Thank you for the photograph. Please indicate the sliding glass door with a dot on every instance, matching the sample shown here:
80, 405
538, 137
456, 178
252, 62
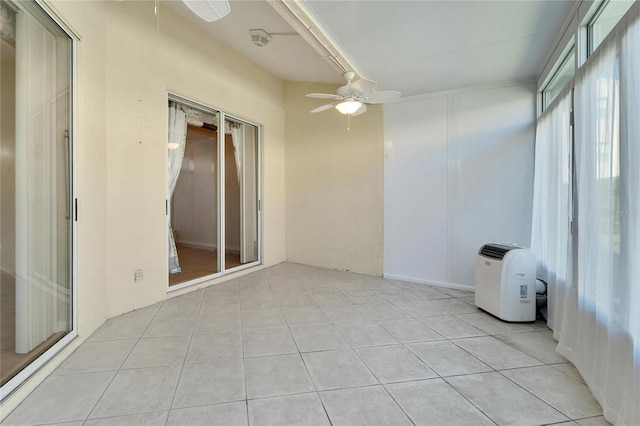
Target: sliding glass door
36, 199
241, 194
212, 192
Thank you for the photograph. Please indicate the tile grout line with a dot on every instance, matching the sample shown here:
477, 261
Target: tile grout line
498, 371
317, 393
535, 396
184, 359
244, 366
380, 383
122, 363
468, 399
354, 350
443, 378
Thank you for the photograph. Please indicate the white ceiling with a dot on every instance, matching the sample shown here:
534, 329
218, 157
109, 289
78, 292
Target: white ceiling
287, 57
415, 47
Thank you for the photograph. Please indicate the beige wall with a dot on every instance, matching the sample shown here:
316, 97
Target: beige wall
141, 66
90, 163
125, 67
334, 181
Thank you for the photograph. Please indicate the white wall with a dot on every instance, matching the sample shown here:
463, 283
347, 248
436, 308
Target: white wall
458, 173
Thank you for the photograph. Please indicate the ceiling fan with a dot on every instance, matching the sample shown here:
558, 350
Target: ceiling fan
209, 10
351, 99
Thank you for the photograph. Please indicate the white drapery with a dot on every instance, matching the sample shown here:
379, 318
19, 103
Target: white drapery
600, 332
244, 140
237, 139
550, 236
42, 288
175, 150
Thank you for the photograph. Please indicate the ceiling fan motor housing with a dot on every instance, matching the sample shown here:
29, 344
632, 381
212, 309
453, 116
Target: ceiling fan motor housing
349, 75
343, 90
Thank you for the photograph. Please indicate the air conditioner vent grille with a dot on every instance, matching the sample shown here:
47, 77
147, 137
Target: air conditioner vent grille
495, 251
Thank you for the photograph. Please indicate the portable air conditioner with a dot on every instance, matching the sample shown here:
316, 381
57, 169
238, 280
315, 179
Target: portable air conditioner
506, 282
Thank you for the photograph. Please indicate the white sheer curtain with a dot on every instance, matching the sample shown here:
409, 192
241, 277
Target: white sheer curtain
237, 138
600, 332
550, 236
175, 143
42, 296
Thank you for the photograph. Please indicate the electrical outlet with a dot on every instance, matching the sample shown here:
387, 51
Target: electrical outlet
138, 275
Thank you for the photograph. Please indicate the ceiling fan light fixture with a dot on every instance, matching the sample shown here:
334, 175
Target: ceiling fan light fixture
353, 98
209, 10
348, 106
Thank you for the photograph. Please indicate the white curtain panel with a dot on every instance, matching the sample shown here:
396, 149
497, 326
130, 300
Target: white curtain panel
550, 236
237, 138
37, 287
600, 332
176, 142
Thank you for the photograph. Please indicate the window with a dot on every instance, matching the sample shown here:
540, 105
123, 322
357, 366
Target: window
37, 190
213, 192
606, 17
564, 73
603, 141
597, 305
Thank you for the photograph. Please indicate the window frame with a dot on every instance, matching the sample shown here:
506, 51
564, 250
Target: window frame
589, 26
597, 14
570, 54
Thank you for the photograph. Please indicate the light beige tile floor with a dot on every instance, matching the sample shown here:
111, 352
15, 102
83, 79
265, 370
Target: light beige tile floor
298, 345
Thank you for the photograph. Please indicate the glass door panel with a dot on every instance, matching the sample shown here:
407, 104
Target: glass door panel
193, 214
35, 173
241, 194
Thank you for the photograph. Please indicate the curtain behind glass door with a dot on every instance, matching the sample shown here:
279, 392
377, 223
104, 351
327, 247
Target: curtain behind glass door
36, 186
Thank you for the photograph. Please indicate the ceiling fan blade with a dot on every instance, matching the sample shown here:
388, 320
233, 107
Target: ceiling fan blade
323, 96
324, 107
381, 97
360, 110
363, 86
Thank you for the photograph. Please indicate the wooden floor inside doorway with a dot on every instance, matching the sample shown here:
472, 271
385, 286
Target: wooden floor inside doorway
196, 262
